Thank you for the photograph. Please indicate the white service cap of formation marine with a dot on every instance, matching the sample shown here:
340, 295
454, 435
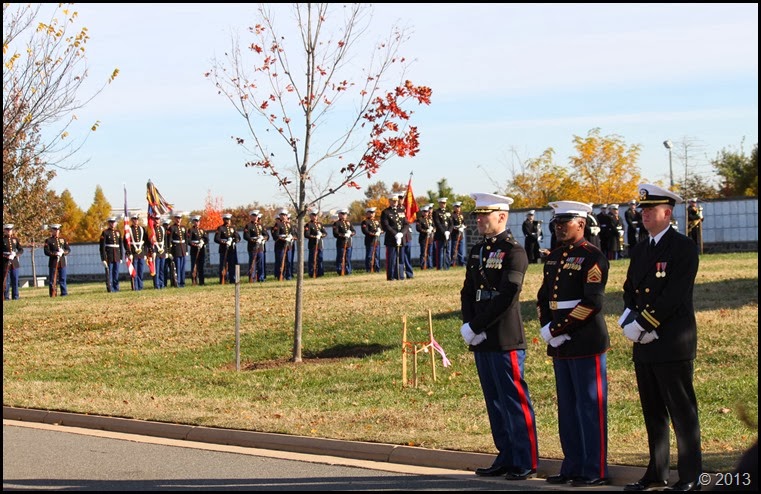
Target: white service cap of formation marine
570, 209
227, 216
486, 203
652, 195
8, 226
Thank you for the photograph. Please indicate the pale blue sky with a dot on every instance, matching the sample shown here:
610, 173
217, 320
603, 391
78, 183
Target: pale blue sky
508, 81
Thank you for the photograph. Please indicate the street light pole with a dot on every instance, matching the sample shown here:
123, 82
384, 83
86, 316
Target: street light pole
667, 144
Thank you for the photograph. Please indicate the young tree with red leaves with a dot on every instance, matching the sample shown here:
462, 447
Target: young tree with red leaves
285, 104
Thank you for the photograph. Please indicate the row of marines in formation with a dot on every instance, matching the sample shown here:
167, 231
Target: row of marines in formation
441, 234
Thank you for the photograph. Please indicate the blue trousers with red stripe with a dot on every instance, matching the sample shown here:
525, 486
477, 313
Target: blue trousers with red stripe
508, 404
582, 388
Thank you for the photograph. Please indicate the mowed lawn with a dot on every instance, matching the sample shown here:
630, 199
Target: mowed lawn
170, 356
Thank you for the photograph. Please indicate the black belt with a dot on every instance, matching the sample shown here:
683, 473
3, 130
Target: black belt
485, 294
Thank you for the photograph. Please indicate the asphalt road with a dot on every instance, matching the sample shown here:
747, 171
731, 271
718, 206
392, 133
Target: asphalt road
52, 457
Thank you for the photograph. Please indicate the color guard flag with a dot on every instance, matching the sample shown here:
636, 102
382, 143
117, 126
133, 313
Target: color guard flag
156, 204
410, 204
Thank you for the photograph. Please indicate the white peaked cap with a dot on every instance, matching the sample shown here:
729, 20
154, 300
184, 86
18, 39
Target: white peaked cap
652, 195
486, 203
570, 209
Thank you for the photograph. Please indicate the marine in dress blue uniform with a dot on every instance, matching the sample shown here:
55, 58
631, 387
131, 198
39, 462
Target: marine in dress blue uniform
177, 239
198, 239
392, 223
425, 229
256, 236
493, 329
457, 239
406, 240
343, 232
136, 251
371, 229
111, 252
314, 232
281, 233
569, 304
442, 222
659, 318
159, 252
11, 251
57, 249
228, 239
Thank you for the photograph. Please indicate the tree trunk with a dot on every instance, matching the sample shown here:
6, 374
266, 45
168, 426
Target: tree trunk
297, 325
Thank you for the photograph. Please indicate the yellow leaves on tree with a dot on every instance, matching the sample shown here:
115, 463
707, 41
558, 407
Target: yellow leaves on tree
606, 168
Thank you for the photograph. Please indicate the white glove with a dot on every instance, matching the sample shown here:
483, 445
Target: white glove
399, 237
347, 234
169, 256
105, 263
229, 241
318, 236
260, 239
446, 235
478, 339
130, 257
467, 333
60, 253
289, 238
648, 337
594, 230
200, 244
545, 332
632, 331
461, 228
12, 256
559, 340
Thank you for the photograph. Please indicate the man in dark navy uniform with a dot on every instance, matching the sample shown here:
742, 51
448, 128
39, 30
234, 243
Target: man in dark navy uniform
659, 318
136, 249
11, 251
493, 329
569, 304
343, 231
255, 236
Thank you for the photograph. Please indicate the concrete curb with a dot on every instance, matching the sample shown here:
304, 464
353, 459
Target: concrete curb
390, 453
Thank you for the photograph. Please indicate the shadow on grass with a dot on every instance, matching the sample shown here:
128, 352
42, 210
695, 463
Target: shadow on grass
338, 352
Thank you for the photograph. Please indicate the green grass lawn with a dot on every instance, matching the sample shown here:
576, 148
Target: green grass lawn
169, 356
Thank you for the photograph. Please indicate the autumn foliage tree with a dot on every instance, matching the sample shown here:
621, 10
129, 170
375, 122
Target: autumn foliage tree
286, 93
606, 168
540, 181
94, 220
211, 217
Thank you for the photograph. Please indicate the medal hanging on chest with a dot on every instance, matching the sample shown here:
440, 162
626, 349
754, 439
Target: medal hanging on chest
660, 269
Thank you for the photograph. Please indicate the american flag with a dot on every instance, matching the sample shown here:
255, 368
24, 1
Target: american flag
128, 236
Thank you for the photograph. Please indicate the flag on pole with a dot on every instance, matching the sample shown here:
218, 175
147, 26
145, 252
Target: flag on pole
410, 204
156, 204
128, 236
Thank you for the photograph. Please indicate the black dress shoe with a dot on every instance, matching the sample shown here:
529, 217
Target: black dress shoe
558, 479
590, 482
520, 474
645, 485
492, 471
684, 486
